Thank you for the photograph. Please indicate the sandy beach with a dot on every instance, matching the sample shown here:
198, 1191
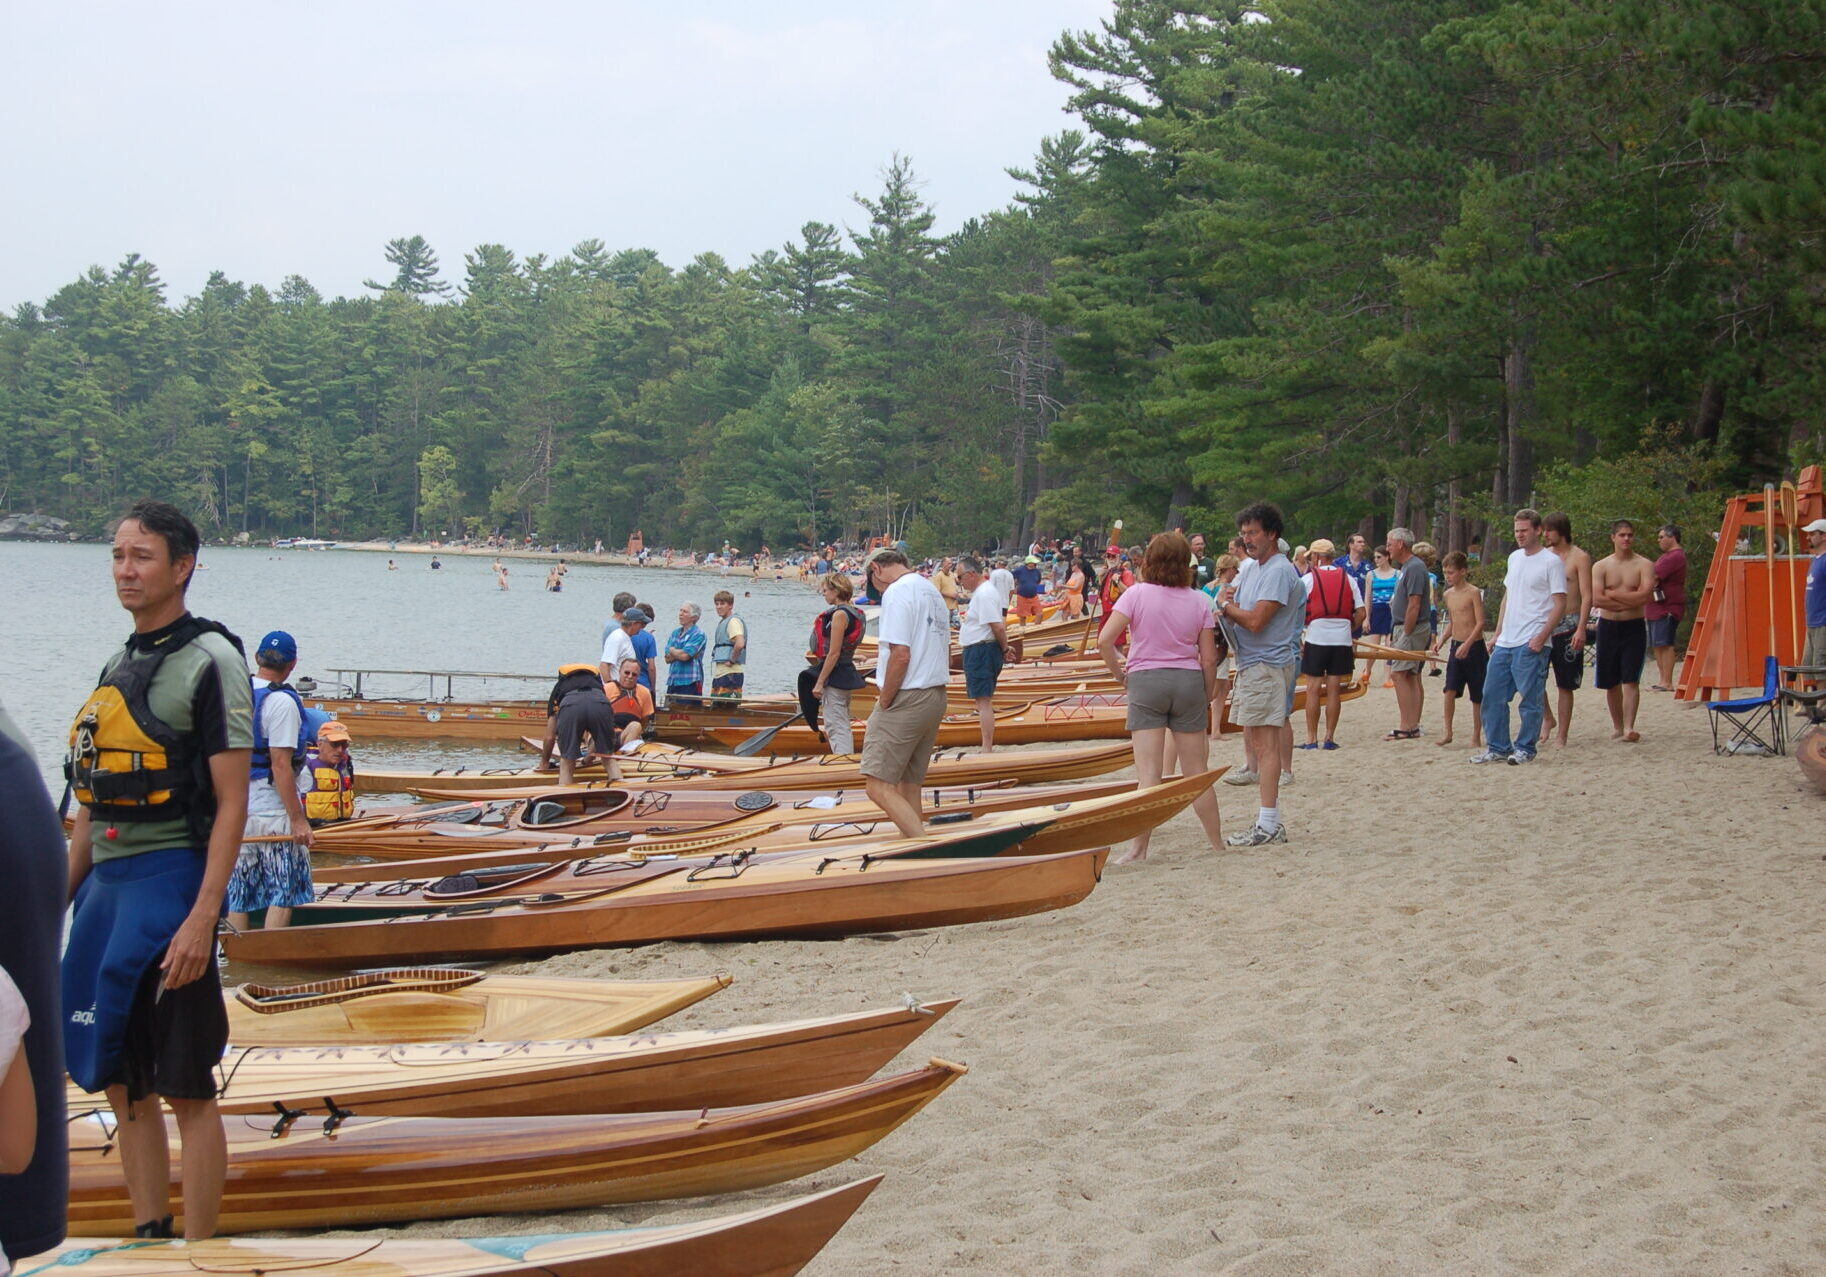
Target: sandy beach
1559, 1019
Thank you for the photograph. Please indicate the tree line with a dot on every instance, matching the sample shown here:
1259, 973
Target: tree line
1384, 264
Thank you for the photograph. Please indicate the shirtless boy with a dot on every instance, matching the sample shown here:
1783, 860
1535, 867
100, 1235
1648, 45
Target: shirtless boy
1470, 656
1566, 657
1621, 586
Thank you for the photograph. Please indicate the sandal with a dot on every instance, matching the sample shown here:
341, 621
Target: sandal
1309, 745
1398, 734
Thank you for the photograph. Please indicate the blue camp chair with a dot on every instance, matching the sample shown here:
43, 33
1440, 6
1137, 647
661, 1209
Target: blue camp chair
1756, 721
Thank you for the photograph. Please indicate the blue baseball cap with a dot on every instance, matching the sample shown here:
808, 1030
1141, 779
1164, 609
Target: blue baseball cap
282, 643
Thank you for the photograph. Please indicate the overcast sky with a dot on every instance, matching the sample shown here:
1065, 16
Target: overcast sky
269, 139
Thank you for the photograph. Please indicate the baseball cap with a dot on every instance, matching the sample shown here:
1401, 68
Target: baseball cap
636, 616
1033, 558
282, 643
1818, 525
333, 730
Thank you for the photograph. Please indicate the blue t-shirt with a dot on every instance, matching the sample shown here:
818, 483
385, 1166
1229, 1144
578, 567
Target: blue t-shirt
1816, 592
1278, 642
646, 647
1027, 581
1359, 572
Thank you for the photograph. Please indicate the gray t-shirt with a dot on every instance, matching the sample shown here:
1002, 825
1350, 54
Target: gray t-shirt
1411, 583
1278, 642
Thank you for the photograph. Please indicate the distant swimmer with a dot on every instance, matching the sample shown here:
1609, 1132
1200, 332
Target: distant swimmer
500, 574
392, 566
435, 565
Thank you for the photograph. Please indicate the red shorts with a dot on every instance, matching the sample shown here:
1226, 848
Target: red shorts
1027, 607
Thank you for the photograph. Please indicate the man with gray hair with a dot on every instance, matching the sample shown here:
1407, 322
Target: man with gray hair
685, 656
1411, 609
913, 669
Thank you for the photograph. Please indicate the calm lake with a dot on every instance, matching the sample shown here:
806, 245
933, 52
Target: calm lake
347, 611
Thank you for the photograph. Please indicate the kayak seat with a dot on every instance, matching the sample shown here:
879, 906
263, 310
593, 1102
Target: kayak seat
545, 812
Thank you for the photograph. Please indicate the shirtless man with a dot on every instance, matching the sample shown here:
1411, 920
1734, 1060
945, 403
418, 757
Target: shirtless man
1567, 655
1622, 585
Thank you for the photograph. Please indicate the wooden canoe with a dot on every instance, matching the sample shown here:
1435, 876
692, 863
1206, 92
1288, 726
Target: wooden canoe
811, 818
774, 1241
1031, 723
762, 898
1060, 823
377, 1170
639, 1072
445, 1005
1810, 753
824, 772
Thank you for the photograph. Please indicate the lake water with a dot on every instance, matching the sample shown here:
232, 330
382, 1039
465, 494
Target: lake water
61, 621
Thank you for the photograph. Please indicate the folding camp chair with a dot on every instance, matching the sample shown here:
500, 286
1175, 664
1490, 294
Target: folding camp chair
1756, 721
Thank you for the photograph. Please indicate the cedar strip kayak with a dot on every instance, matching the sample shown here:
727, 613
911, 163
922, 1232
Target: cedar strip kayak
771, 1242
377, 1170
509, 720
640, 1072
752, 899
639, 809
824, 816
827, 771
452, 1006
1032, 723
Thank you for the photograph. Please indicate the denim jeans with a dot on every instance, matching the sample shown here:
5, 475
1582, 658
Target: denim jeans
1512, 670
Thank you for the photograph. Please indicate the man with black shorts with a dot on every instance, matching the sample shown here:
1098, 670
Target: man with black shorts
1621, 587
914, 667
1334, 609
1566, 649
577, 707
159, 760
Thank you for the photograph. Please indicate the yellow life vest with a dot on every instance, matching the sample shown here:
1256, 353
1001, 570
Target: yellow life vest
332, 794
127, 764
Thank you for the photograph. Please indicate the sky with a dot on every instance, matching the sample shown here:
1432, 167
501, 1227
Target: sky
267, 139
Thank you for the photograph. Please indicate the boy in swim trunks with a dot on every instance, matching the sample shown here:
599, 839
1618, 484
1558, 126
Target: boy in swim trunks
1466, 662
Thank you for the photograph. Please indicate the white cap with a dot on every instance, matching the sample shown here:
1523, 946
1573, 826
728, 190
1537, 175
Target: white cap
1818, 525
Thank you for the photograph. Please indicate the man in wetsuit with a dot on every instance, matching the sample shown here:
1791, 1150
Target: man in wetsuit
150, 857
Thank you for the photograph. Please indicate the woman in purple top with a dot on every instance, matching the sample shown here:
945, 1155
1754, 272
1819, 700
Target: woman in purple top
1170, 671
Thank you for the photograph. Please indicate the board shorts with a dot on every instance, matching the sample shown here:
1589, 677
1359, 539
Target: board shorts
174, 1040
270, 875
1661, 631
1567, 665
1413, 641
1622, 650
1027, 608
1465, 673
1262, 694
1318, 660
728, 686
982, 667
897, 744
1169, 698
585, 714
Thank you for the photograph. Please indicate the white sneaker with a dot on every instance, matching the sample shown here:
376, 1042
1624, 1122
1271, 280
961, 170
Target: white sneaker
1256, 836
1286, 779
1519, 759
1489, 756
1240, 777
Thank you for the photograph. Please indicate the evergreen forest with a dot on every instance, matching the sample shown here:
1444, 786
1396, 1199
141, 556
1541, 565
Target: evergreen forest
1383, 263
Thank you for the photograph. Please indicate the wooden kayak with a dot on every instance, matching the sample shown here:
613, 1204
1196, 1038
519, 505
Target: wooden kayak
1057, 823
1034, 722
548, 814
507, 720
770, 1242
634, 1073
807, 819
377, 1170
446, 1005
753, 899
1810, 753
828, 771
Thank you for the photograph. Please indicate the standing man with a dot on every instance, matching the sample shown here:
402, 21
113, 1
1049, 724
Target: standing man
1411, 607
274, 875
1204, 567
1623, 584
915, 665
1334, 608
728, 651
621, 646
1566, 650
685, 656
946, 583
1668, 604
1003, 580
1027, 589
984, 638
1264, 608
1815, 651
1534, 600
159, 760
1357, 563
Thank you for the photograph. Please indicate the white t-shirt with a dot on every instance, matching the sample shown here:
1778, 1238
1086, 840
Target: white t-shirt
913, 616
985, 609
1529, 587
282, 722
618, 647
1330, 631
1003, 580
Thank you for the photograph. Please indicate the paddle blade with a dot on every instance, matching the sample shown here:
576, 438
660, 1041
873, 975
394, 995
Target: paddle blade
755, 744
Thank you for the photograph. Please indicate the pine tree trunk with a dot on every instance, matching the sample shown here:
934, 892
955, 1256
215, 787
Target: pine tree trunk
1455, 538
1521, 410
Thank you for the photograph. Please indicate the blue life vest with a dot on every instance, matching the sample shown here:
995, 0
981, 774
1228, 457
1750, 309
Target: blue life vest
263, 756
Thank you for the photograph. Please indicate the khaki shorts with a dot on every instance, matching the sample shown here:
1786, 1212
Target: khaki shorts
1261, 694
1418, 641
1816, 646
897, 747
